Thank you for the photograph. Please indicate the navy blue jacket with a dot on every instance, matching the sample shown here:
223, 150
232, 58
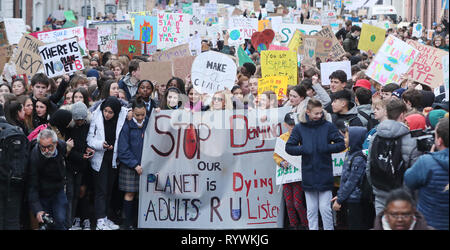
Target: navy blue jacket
131, 142
429, 175
352, 175
315, 139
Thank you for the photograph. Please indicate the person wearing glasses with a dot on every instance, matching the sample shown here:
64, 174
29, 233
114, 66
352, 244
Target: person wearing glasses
400, 213
47, 179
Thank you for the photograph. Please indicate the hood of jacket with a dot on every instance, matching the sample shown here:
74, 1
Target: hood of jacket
366, 108
303, 117
392, 129
357, 135
442, 158
127, 80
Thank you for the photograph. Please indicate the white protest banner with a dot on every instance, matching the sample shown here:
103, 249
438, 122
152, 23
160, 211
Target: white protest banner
417, 30
63, 34
107, 40
427, 68
212, 72
196, 26
326, 69
241, 28
15, 29
288, 29
61, 57
173, 30
393, 59
218, 177
27, 59
445, 65
327, 17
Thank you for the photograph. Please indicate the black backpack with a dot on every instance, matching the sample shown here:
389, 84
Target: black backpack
386, 163
364, 185
14, 153
371, 121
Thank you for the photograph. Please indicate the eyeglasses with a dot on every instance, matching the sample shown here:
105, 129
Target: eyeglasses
401, 216
217, 99
49, 147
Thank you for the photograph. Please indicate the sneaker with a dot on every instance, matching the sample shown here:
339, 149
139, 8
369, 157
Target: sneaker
76, 224
86, 224
101, 225
111, 224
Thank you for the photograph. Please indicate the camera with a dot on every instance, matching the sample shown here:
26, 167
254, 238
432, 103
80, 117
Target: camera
425, 139
48, 220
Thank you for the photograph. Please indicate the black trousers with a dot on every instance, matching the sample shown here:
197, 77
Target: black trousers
356, 216
103, 186
73, 194
10, 207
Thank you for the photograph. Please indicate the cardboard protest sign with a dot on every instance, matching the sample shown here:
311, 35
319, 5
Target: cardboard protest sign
294, 172
243, 57
27, 59
324, 47
337, 50
277, 47
279, 63
14, 28
372, 38
326, 69
53, 36
427, 68
308, 50
445, 72
288, 30
107, 40
212, 72
61, 57
4, 56
146, 31
182, 66
277, 84
173, 30
3, 37
172, 53
417, 30
92, 39
157, 72
129, 47
393, 59
203, 196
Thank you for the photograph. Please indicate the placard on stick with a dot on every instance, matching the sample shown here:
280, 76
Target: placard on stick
182, 66
61, 57
28, 60
212, 72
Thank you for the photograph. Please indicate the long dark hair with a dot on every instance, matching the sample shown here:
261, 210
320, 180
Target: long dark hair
11, 111
180, 84
163, 104
106, 88
85, 94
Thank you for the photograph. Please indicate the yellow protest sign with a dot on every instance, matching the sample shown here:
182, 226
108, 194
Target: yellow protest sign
372, 38
279, 63
264, 24
295, 41
277, 84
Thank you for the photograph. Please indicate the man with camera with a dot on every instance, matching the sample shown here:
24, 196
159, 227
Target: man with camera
47, 174
429, 175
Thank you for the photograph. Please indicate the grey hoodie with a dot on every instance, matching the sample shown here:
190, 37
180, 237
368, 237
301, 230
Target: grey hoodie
392, 129
132, 88
367, 109
351, 116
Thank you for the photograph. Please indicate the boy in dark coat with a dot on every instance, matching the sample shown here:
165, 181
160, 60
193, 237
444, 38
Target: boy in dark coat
319, 138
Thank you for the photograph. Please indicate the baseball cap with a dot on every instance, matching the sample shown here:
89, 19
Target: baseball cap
398, 92
362, 83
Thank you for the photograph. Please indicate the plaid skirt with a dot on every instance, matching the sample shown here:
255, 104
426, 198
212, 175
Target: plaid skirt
128, 179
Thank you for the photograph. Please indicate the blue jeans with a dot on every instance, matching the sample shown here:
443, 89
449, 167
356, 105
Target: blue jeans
56, 207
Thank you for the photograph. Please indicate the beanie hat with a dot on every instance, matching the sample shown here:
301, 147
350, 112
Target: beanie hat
416, 121
93, 73
61, 119
427, 98
434, 116
362, 83
79, 111
398, 92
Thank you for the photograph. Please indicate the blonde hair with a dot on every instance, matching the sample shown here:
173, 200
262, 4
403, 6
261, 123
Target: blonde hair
227, 100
